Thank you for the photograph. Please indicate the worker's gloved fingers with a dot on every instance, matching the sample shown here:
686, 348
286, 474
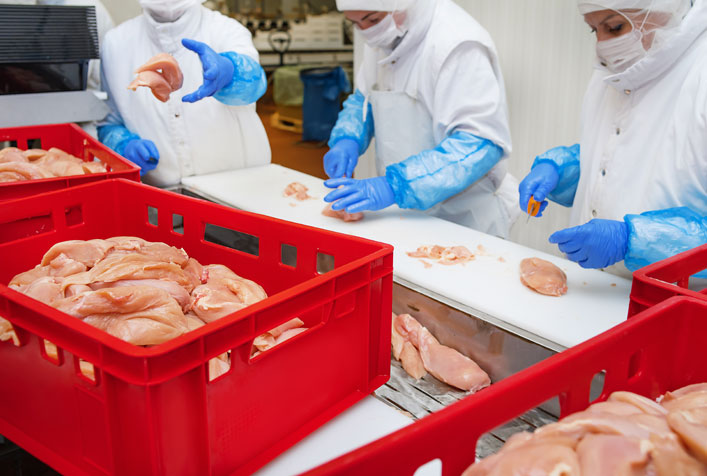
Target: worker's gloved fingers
338, 182
196, 46
526, 189
350, 166
570, 247
349, 200
361, 206
339, 194
578, 256
543, 206
152, 149
193, 97
563, 236
143, 152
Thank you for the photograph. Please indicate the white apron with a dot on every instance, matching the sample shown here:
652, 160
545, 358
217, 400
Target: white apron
404, 128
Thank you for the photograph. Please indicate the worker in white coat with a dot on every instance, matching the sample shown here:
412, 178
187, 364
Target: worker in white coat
431, 92
636, 182
212, 128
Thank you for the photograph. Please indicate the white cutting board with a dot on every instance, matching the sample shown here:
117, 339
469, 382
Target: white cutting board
595, 302
361, 424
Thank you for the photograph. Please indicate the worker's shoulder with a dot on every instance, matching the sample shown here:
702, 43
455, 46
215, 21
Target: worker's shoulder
220, 21
453, 26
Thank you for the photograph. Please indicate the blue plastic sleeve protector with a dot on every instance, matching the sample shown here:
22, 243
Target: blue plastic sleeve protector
248, 84
435, 175
116, 136
350, 124
566, 160
660, 234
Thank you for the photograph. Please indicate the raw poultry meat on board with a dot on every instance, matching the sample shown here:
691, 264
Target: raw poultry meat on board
142, 292
626, 435
446, 255
419, 352
17, 165
161, 74
543, 277
297, 190
342, 215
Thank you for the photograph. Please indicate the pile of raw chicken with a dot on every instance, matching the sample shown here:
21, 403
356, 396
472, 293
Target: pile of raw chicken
625, 435
19, 165
142, 292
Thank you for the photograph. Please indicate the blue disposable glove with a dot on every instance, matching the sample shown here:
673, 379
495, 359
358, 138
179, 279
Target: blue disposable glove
341, 159
218, 70
597, 244
142, 153
359, 195
539, 183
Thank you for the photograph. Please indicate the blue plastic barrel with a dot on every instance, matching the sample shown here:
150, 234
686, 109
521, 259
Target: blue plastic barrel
322, 100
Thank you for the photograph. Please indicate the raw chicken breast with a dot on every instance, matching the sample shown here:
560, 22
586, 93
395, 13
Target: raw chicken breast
87, 252
59, 163
7, 332
412, 362
397, 340
16, 171
601, 455
444, 363
46, 289
645, 405
341, 214
669, 458
698, 387
296, 190
534, 459
691, 426
34, 154
175, 290
449, 366
543, 277
161, 74
224, 293
12, 154
195, 272
140, 315
94, 167
59, 266
278, 335
124, 245
167, 66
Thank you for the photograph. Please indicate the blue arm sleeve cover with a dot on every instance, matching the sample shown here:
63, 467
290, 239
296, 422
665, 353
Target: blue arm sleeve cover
660, 234
566, 160
350, 124
248, 84
435, 175
116, 136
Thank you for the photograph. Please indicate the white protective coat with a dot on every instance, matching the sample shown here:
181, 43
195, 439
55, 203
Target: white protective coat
193, 139
644, 131
443, 77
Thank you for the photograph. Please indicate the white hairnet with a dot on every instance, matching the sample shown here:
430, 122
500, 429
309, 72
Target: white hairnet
666, 6
374, 5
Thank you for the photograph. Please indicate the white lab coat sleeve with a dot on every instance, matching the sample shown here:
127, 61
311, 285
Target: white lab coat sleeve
469, 96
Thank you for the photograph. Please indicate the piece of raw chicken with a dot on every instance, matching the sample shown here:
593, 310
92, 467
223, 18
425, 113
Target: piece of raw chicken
296, 190
626, 435
446, 255
223, 293
17, 165
444, 363
543, 277
161, 74
341, 214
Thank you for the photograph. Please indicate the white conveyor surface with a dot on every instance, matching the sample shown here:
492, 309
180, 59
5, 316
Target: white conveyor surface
361, 424
595, 302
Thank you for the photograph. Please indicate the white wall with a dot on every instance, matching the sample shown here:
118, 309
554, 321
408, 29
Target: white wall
546, 52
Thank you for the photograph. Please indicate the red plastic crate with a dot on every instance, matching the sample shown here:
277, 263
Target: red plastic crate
152, 410
662, 349
72, 139
671, 277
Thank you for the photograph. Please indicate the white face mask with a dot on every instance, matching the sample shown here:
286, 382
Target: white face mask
383, 34
166, 11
